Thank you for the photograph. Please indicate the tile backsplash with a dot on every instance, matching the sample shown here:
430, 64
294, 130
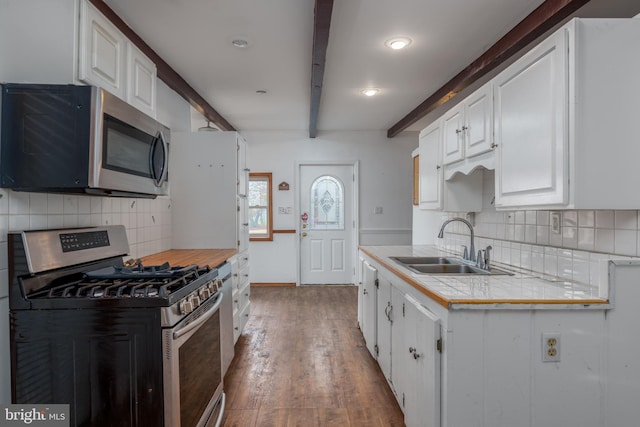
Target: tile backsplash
569, 244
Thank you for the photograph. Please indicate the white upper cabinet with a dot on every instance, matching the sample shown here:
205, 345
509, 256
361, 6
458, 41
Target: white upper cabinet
141, 80
106, 58
530, 104
430, 167
103, 52
565, 116
467, 127
461, 193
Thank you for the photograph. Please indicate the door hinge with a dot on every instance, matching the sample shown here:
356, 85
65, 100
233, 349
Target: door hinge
403, 400
376, 349
439, 345
403, 312
377, 284
238, 243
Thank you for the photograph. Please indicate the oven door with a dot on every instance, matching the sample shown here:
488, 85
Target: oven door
192, 368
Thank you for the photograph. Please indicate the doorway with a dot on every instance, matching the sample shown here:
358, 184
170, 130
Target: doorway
327, 209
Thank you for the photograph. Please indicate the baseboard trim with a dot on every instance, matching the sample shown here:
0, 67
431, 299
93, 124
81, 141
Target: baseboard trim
273, 285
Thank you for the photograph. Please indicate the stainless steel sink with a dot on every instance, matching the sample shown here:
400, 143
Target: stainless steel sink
452, 269
412, 260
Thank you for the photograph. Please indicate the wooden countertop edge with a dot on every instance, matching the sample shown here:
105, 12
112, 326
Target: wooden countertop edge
446, 302
202, 257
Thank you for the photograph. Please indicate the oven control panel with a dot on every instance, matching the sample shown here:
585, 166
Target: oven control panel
84, 240
199, 296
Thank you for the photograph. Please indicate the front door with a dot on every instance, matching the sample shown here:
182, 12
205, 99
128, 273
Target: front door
326, 224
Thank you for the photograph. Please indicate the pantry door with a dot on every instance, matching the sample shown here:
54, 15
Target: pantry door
326, 223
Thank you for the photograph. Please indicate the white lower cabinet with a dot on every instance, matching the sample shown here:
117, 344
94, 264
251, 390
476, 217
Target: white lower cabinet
369, 306
241, 292
483, 366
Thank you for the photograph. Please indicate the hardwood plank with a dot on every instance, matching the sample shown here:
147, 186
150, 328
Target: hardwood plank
241, 417
302, 361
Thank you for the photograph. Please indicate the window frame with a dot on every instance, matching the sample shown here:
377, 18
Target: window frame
268, 176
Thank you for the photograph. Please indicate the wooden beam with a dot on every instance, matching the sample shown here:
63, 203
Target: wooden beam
165, 72
321, 25
545, 17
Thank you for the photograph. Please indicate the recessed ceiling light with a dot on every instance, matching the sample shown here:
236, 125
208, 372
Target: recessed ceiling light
239, 43
372, 91
397, 43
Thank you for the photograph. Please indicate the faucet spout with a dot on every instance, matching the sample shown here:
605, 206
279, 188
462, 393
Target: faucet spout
471, 256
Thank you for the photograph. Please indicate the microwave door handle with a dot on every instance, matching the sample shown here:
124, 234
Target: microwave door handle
159, 180
210, 312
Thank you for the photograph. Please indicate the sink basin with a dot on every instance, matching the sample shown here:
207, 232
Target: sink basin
422, 260
452, 269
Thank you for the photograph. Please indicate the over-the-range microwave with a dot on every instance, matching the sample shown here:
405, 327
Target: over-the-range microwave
79, 139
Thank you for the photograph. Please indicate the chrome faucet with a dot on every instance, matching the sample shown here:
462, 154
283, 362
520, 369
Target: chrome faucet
471, 256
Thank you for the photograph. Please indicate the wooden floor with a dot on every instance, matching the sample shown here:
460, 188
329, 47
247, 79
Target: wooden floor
302, 361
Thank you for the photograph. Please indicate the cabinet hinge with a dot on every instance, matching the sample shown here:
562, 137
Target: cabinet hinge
439, 345
238, 243
377, 284
376, 349
403, 400
403, 312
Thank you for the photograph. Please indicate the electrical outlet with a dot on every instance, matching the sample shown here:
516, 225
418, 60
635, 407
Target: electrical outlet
551, 347
555, 222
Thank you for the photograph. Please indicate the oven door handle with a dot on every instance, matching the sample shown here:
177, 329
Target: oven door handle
205, 316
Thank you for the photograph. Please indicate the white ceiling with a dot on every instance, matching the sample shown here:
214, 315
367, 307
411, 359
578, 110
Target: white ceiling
194, 37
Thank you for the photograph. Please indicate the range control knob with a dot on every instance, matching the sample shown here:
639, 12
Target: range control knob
185, 306
195, 301
212, 287
204, 293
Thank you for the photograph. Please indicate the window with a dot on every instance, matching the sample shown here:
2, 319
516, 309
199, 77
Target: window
327, 204
260, 210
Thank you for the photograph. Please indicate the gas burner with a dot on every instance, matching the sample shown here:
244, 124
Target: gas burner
155, 271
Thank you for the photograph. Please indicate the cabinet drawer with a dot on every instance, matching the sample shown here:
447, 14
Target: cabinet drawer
243, 277
244, 296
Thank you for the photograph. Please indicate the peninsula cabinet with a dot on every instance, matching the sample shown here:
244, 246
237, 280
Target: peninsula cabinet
482, 364
564, 113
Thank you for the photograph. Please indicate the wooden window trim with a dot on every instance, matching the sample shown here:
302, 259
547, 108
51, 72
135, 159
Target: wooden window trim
269, 236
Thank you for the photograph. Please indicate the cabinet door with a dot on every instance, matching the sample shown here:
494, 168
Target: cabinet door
398, 346
368, 295
478, 117
141, 81
102, 53
531, 127
242, 170
430, 167
422, 358
384, 326
453, 135
243, 224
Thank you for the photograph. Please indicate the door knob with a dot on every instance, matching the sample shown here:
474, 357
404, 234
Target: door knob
304, 234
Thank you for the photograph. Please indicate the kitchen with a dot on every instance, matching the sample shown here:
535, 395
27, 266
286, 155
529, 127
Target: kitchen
384, 176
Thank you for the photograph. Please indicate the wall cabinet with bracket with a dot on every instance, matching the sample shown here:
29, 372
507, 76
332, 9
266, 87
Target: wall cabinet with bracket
461, 193
71, 42
564, 127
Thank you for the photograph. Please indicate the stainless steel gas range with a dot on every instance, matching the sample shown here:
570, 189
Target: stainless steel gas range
123, 346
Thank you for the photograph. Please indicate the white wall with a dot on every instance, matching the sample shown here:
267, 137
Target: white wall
385, 169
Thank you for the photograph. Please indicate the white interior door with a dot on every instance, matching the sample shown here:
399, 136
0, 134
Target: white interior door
326, 224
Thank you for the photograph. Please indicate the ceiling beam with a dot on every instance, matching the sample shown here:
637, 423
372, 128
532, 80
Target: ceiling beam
321, 25
165, 72
545, 17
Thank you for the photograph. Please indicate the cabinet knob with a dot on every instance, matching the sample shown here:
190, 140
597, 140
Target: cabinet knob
458, 131
438, 167
412, 350
494, 145
465, 128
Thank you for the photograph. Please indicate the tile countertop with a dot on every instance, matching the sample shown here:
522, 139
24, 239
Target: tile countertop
184, 257
522, 290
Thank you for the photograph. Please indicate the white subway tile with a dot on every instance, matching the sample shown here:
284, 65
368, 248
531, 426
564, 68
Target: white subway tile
625, 242
84, 205
537, 262
526, 259
18, 222
37, 204
55, 221
96, 219
38, 222
84, 220
520, 217
542, 234
96, 205
586, 238
555, 239
626, 220
55, 204
586, 218
515, 256
4, 285
519, 233
18, 203
70, 204
570, 237
543, 218
569, 218
530, 234
70, 220
4, 201
581, 270
565, 267
4, 256
550, 264
604, 219
530, 218
4, 227
604, 239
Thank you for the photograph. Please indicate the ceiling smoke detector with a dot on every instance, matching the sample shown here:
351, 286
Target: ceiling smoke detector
239, 43
398, 43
